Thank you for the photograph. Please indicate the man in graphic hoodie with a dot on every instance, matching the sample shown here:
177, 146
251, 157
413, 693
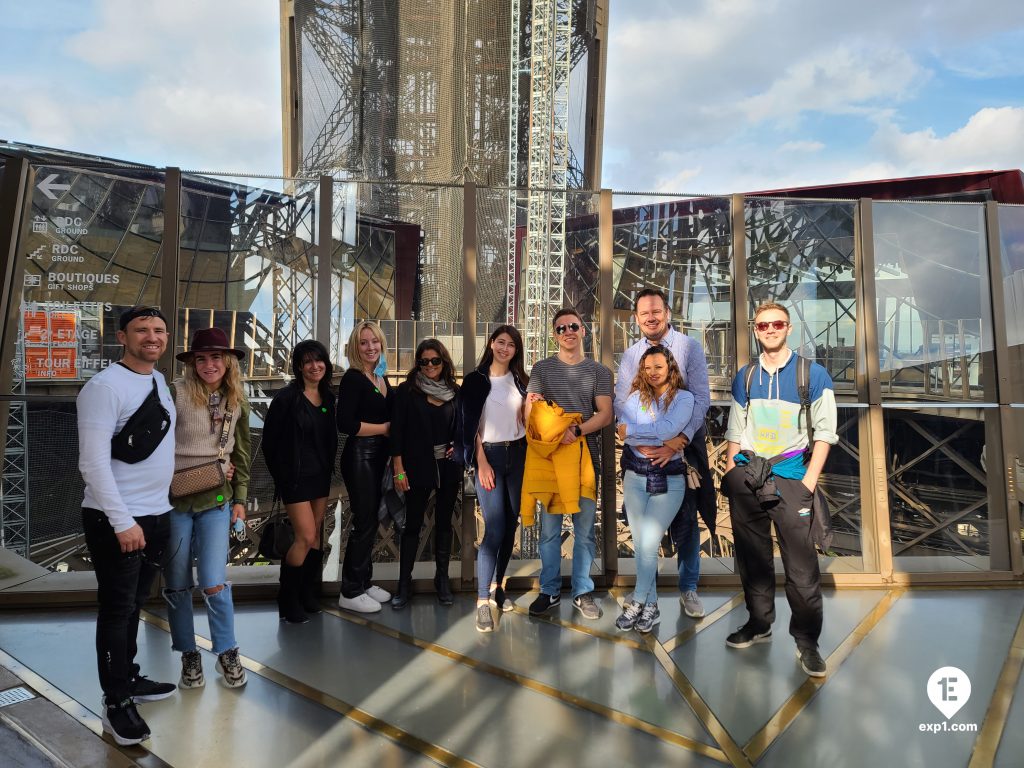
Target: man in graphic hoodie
766, 423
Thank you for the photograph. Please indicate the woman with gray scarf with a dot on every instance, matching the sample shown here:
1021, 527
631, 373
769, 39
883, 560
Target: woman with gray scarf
422, 428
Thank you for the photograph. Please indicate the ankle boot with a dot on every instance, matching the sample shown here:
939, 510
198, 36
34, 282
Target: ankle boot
312, 578
408, 544
402, 595
288, 607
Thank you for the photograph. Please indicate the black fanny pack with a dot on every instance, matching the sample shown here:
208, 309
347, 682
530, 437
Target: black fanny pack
143, 431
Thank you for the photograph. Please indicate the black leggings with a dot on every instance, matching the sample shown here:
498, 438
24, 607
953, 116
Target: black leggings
415, 506
362, 469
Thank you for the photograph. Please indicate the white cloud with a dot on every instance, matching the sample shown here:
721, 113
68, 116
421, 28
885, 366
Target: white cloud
734, 96
992, 139
189, 83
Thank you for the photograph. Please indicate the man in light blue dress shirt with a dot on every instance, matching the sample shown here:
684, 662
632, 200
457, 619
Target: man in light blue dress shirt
654, 317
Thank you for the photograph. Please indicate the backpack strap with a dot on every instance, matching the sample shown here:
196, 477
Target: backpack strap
749, 378
803, 388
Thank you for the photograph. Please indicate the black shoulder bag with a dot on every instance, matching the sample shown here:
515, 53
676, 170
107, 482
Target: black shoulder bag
143, 431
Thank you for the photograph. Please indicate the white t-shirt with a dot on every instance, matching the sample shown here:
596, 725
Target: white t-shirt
122, 491
500, 420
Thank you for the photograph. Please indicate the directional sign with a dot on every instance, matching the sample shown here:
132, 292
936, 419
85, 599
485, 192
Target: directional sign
49, 185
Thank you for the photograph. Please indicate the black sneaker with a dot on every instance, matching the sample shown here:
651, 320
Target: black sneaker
746, 636
811, 661
141, 688
543, 602
123, 722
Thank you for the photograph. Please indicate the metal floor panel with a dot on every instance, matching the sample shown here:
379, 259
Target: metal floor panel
422, 687
261, 724
746, 686
872, 708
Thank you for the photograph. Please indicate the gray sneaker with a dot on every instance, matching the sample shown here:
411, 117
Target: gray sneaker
692, 605
586, 605
484, 620
648, 618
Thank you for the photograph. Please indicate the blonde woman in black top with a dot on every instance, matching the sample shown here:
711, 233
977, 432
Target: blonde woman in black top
364, 414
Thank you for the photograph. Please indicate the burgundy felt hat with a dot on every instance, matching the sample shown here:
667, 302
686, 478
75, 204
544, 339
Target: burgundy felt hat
209, 340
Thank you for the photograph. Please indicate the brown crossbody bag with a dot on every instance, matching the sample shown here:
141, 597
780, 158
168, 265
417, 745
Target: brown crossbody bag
206, 476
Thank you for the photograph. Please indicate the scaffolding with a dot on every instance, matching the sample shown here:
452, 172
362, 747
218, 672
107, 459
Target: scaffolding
551, 38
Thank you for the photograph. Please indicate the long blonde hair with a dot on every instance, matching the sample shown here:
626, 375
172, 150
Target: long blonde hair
675, 378
352, 348
231, 385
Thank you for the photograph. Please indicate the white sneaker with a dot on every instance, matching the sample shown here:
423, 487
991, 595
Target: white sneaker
360, 604
379, 594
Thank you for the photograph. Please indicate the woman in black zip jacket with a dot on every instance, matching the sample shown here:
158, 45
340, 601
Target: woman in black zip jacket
490, 436
299, 443
422, 430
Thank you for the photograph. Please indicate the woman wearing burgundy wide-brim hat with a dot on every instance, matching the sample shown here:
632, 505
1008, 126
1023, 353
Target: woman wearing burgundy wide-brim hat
213, 424
209, 340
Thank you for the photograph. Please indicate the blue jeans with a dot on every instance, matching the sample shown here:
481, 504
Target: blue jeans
500, 508
649, 518
202, 536
583, 549
685, 532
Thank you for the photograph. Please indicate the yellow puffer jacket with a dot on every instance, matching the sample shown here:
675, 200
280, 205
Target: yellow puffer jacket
556, 475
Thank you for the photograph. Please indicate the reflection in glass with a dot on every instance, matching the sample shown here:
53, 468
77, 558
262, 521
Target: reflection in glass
247, 265
801, 254
682, 247
938, 489
1011, 231
934, 320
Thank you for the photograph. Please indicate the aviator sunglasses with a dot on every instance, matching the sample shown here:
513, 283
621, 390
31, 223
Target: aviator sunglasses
778, 325
560, 329
431, 361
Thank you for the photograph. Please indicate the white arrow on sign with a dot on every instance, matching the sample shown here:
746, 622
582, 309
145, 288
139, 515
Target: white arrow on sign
48, 185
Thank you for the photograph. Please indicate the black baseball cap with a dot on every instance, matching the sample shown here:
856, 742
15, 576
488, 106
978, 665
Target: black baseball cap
130, 314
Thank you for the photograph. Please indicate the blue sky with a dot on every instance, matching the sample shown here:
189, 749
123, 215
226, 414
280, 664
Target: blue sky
710, 97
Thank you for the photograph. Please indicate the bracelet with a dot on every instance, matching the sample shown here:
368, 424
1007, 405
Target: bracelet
400, 476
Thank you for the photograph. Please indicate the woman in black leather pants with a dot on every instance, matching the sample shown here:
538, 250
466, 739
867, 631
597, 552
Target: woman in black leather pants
364, 408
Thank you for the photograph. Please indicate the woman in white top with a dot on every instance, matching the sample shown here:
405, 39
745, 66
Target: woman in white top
490, 435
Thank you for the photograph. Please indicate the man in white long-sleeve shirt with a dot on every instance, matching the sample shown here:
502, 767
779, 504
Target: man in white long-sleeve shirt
124, 515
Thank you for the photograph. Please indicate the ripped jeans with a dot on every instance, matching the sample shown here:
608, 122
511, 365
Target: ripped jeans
201, 537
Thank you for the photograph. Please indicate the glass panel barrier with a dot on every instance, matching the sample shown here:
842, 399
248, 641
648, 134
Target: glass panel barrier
91, 249
932, 283
1011, 230
800, 253
938, 488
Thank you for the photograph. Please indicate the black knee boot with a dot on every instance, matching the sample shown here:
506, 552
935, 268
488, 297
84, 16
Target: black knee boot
312, 579
442, 555
288, 607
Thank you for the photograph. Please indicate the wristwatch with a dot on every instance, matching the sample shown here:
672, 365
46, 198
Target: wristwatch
577, 430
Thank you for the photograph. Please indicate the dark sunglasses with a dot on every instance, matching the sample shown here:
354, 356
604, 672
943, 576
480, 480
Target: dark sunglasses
778, 325
432, 361
560, 329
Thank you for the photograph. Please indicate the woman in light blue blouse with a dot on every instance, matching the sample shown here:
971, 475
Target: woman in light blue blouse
656, 409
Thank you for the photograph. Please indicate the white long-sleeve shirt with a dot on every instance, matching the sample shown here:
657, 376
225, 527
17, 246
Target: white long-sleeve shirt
122, 491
